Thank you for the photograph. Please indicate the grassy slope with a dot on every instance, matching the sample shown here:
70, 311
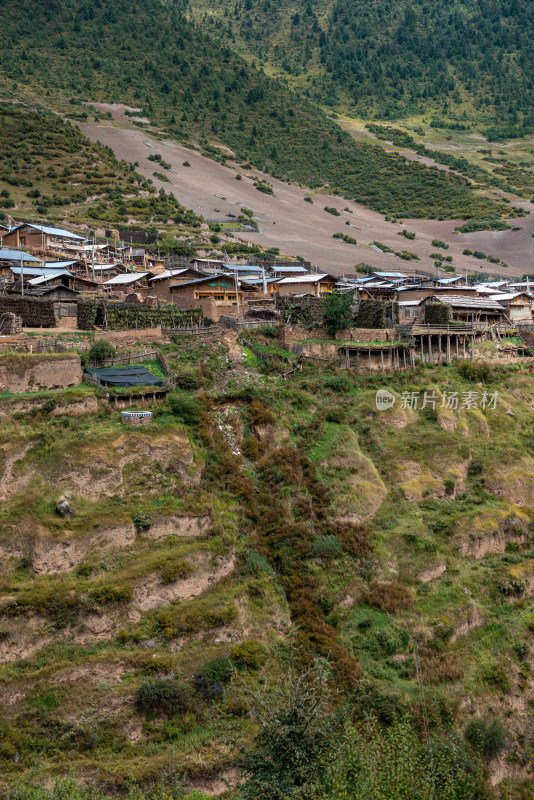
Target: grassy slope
50, 170
194, 87
459, 484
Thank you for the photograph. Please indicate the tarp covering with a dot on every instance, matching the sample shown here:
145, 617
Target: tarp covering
125, 376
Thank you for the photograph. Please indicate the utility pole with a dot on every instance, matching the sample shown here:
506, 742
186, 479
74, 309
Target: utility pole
237, 292
22, 271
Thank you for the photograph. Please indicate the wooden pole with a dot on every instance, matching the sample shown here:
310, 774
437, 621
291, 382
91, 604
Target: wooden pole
448, 347
382, 360
430, 357
463, 342
473, 347
440, 354
370, 364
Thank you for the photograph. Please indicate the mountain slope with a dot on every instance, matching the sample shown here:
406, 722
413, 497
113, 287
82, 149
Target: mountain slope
150, 56
392, 57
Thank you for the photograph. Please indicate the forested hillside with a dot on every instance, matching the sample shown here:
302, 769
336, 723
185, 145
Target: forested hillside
150, 56
393, 57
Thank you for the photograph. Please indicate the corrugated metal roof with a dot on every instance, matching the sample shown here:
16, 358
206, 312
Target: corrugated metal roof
509, 295
51, 231
169, 273
59, 264
390, 274
43, 279
296, 270
126, 278
15, 255
314, 278
39, 271
445, 281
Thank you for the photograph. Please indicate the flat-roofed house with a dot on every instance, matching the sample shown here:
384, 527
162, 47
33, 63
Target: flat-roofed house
315, 284
517, 305
128, 282
160, 285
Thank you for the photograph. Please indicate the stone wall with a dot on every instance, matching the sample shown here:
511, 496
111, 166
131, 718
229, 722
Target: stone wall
289, 335
30, 373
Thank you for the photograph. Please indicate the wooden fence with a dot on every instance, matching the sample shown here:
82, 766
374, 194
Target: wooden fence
197, 330
119, 361
241, 324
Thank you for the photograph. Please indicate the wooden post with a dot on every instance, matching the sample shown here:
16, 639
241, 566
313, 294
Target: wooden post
357, 359
370, 363
422, 348
440, 354
430, 357
457, 352
347, 358
391, 364
463, 341
381, 359
404, 356
448, 347
473, 347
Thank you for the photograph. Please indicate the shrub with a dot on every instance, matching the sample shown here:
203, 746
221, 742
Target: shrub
185, 408
489, 740
142, 522
257, 563
177, 570
83, 570
111, 594
159, 694
188, 380
332, 211
247, 655
339, 383
391, 597
219, 669
102, 350
327, 548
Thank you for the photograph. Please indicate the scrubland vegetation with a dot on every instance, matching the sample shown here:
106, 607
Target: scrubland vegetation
270, 562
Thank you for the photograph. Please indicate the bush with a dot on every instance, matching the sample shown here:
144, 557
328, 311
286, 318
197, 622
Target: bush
188, 380
219, 669
185, 408
247, 655
327, 548
489, 740
339, 383
158, 694
177, 570
142, 522
111, 594
102, 350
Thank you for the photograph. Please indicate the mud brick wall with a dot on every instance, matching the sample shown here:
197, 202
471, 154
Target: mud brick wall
30, 373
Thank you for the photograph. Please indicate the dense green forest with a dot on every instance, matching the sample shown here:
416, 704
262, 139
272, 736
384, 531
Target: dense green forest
151, 56
393, 58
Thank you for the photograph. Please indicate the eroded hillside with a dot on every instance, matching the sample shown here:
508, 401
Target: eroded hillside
252, 507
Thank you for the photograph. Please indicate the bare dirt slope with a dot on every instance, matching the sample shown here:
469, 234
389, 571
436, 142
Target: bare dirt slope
300, 228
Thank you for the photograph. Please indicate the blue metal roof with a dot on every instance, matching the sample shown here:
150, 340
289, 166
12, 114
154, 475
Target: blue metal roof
50, 231
36, 271
242, 268
16, 255
59, 264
